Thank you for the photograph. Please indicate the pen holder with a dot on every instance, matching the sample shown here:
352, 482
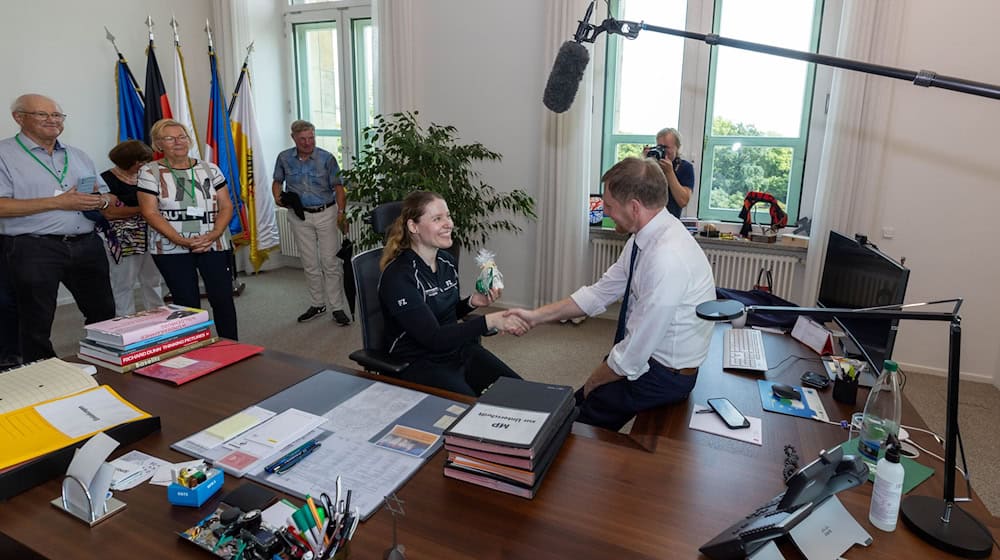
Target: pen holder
845, 390
194, 497
344, 553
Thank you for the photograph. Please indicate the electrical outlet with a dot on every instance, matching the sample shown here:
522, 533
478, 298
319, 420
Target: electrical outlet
888, 232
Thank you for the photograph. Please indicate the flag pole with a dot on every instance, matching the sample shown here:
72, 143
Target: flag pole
182, 88
121, 58
149, 25
239, 81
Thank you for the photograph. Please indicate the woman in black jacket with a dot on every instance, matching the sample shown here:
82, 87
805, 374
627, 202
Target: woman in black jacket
420, 299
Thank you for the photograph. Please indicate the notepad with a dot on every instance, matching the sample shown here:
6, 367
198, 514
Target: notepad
41, 381
712, 424
235, 424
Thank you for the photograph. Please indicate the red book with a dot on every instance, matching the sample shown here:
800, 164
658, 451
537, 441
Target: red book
197, 363
127, 358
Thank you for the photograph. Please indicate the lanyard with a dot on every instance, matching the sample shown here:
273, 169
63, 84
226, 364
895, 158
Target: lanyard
58, 178
180, 180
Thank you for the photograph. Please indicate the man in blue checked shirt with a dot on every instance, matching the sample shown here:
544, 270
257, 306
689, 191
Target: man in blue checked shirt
312, 175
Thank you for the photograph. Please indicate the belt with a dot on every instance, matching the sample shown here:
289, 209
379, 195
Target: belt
684, 371
317, 209
64, 238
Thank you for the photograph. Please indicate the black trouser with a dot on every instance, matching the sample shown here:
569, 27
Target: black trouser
180, 272
613, 404
470, 372
38, 263
10, 350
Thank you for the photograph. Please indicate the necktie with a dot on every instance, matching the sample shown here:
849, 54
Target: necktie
620, 331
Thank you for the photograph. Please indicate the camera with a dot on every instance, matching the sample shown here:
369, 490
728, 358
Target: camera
658, 151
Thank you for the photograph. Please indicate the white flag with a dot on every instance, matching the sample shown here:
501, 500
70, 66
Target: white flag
255, 181
182, 102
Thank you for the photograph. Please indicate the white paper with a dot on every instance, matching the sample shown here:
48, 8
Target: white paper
166, 473
126, 475
210, 438
278, 432
811, 333
99, 488
179, 362
371, 410
815, 403
713, 424
498, 423
368, 470
146, 463
277, 515
86, 413
86, 463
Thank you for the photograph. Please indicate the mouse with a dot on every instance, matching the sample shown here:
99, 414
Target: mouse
783, 391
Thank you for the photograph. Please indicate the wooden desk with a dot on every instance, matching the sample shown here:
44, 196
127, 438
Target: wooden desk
604, 497
789, 359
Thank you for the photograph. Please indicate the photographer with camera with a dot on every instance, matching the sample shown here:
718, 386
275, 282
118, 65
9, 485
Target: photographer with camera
679, 172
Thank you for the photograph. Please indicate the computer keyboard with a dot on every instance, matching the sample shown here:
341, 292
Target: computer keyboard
743, 349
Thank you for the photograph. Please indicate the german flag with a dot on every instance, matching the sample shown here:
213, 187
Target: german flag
157, 103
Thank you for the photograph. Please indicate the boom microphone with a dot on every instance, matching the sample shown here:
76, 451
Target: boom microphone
564, 80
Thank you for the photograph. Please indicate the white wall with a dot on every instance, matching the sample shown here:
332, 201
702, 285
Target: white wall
58, 48
939, 183
478, 68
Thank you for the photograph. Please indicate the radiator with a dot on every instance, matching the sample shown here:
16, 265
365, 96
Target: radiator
288, 247
731, 269
739, 269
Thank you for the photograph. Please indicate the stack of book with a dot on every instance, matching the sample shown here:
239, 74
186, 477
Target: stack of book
125, 343
508, 440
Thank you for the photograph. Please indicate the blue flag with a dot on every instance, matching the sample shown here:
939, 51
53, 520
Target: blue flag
130, 108
219, 149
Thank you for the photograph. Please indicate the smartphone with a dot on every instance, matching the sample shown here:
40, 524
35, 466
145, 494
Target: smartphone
733, 418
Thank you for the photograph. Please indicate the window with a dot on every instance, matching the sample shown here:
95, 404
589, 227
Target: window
750, 111
333, 53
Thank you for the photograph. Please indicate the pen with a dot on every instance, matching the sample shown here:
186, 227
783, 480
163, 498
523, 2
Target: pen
290, 461
306, 447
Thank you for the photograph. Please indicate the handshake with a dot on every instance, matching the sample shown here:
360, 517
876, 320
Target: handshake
511, 321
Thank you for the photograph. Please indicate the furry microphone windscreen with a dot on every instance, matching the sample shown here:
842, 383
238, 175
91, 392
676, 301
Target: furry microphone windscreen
567, 71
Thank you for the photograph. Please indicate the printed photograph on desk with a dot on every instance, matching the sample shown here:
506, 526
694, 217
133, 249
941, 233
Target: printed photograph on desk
407, 440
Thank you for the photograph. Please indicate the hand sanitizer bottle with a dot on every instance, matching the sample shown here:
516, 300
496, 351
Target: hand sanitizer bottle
888, 488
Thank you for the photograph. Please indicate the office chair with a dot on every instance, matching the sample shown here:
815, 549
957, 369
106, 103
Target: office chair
374, 357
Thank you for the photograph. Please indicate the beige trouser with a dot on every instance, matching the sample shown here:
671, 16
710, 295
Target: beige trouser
318, 241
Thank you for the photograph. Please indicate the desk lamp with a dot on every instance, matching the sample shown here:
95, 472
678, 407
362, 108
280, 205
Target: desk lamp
934, 520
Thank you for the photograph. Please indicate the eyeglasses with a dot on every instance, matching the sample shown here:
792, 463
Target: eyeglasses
43, 116
172, 139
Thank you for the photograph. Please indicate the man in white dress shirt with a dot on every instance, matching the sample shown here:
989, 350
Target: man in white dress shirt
660, 342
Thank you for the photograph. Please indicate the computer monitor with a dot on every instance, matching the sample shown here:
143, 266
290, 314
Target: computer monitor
857, 275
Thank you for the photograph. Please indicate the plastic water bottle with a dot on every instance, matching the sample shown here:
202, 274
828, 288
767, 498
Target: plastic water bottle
882, 415
888, 490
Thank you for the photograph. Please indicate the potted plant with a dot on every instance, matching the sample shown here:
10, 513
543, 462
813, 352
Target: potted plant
399, 156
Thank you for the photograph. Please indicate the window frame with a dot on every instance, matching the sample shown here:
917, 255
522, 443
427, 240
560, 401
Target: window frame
351, 71
799, 145
699, 62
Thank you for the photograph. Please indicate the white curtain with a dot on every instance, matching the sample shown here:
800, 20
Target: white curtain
848, 192
394, 82
565, 179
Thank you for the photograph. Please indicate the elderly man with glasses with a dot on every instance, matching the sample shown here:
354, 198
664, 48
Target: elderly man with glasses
49, 193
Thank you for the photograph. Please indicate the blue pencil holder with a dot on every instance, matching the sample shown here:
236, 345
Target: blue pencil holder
194, 497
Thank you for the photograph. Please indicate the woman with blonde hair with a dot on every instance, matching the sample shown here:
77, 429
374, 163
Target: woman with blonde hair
420, 299
186, 203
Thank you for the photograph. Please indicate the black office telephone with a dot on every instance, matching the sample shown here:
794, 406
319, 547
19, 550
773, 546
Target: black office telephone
807, 489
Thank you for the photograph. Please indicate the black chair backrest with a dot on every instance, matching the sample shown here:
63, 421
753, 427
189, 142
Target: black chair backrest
383, 215
366, 277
